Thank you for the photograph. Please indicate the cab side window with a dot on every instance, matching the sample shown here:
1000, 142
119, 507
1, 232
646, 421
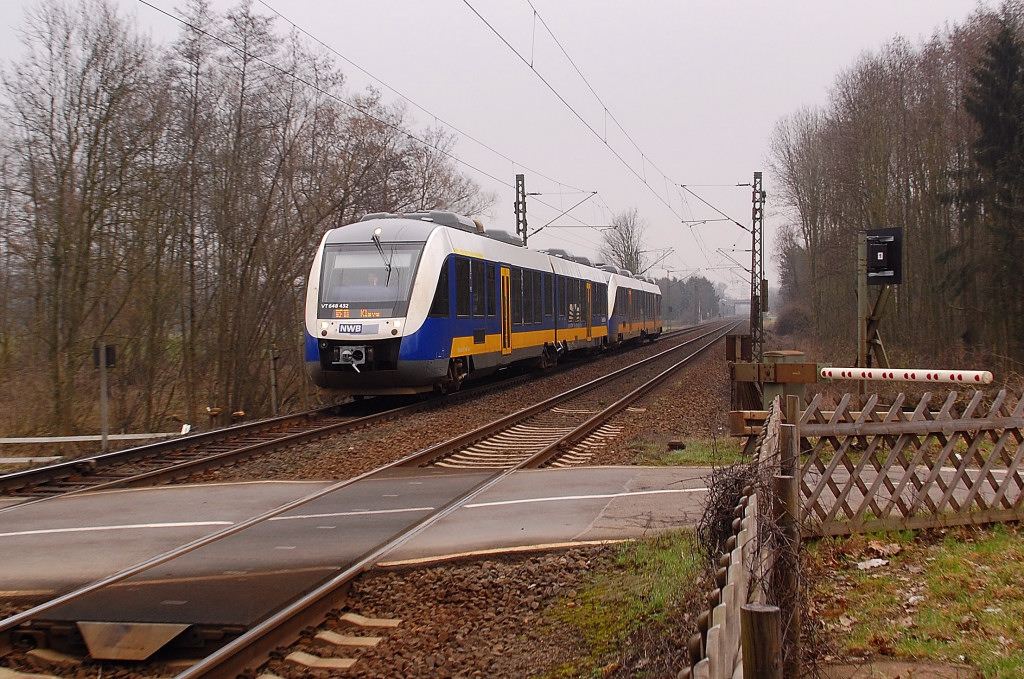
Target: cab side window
440, 308
462, 287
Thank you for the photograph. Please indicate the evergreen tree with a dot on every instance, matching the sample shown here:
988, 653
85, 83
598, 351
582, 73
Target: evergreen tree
995, 101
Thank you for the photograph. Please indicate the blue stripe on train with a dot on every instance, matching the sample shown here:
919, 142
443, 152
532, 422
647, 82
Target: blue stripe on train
312, 350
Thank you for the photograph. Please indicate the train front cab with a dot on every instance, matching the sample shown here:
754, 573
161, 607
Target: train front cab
361, 309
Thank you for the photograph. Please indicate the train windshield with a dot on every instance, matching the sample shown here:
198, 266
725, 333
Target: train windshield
358, 281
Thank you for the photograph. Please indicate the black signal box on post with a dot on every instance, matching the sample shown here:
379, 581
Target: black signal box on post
885, 256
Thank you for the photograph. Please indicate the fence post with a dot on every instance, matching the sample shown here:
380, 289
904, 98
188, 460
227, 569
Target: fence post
786, 576
792, 409
761, 650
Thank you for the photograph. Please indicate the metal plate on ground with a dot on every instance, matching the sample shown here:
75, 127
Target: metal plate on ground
126, 641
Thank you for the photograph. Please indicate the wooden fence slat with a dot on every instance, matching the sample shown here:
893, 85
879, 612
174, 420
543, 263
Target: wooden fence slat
882, 479
1014, 464
974, 454
935, 478
715, 652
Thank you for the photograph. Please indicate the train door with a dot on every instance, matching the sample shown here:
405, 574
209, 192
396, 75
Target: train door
588, 311
630, 312
506, 311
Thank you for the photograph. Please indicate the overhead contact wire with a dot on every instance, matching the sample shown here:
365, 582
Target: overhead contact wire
576, 113
438, 119
316, 88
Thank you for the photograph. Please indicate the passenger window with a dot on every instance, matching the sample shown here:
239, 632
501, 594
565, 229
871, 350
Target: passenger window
549, 296
517, 296
492, 290
574, 301
538, 297
527, 297
479, 296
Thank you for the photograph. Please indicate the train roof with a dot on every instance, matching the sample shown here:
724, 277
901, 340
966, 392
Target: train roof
392, 230
417, 227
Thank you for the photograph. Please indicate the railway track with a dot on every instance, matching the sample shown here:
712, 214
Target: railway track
172, 460
562, 430
184, 457
581, 413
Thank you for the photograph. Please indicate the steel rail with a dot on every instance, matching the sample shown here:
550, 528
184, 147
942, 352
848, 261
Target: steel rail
251, 649
184, 468
321, 594
96, 463
62, 470
595, 421
442, 449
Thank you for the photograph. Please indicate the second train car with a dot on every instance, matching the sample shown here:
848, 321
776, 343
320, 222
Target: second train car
404, 304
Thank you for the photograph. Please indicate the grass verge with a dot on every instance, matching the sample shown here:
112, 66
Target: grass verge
950, 596
628, 612
699, 452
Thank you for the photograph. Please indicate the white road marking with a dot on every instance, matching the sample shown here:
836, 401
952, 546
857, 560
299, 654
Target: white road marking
130, 526
599, 496
366, 512
360, 512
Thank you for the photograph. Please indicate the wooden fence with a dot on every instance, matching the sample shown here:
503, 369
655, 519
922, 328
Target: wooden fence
868, 469
898, 466
716, 651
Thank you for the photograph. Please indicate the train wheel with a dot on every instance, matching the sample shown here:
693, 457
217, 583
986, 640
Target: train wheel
453, 380
548, 358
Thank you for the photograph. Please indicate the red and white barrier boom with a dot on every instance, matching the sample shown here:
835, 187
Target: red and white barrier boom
907, 375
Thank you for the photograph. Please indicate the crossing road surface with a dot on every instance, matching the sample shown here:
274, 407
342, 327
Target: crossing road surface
56, 545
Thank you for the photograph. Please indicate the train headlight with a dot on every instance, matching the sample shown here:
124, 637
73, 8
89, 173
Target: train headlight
398, 324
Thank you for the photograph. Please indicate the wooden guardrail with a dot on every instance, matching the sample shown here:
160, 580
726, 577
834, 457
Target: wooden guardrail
744, 623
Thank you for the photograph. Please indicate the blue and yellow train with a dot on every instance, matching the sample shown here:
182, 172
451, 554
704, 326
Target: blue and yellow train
403, 304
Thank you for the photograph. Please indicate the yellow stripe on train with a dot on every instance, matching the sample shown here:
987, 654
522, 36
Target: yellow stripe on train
466, 346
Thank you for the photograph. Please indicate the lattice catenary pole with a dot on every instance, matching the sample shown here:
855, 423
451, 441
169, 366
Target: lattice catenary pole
758, 294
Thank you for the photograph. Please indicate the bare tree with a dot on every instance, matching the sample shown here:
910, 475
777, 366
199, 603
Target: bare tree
623, 242
181, 227
80, 103
893, 147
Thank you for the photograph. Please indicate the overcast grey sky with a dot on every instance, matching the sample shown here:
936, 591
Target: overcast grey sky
696, 85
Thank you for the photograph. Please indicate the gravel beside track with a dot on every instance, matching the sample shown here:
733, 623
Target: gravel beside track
696, 404
480, 619
483, 618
